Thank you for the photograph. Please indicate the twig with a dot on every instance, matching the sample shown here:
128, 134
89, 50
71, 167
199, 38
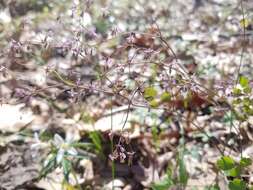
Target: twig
243, 45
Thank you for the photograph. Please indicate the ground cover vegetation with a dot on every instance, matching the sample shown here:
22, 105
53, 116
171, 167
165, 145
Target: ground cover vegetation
104, 94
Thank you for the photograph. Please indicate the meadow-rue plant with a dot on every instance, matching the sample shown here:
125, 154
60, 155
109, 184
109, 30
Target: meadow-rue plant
84, 61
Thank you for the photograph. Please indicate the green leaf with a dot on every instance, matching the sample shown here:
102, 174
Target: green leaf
101, 26
183, 175
244, 82
95, 137
225, 163
237, 184
165, 184
150, 93
212, 187
155, 132
234, 172
46, 135
165, 96
154, 104
81, 145
244, 162
247, 90
244, 23
229, 117
66, 165
49, 165
237, 91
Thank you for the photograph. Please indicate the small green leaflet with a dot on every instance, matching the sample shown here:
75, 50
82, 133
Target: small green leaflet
237, 184
225, 163
150, 93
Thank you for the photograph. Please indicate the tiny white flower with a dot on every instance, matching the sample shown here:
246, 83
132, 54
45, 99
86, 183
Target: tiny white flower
60, 155
58, 140
72, 151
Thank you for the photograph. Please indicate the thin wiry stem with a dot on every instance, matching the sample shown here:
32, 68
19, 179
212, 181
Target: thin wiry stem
243, 43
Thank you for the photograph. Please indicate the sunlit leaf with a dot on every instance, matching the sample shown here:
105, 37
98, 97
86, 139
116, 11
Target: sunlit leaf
154, 104
244, 82
244, 162
237, 91
165, 97
225, 163
150, 93
237, 184
244, 23
94, 135
234, 172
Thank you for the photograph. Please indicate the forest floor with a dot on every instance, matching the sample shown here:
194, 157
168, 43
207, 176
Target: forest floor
131, 94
